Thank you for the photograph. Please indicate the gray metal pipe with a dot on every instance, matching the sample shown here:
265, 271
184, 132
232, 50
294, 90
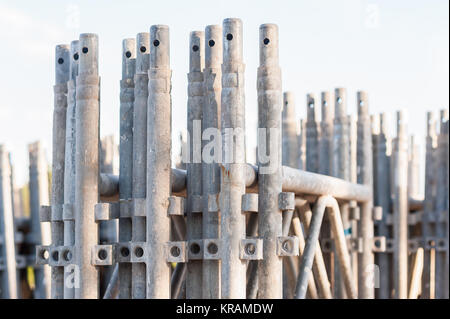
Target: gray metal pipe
194, 167
289, 131
233, 269
69, 163
400, 209
87, 166
312, 134
126, 154
159, 145
337, 228
211, 171
8, 279
366, 259
318, 267
40, 232
269, 162
62, 75
140, 135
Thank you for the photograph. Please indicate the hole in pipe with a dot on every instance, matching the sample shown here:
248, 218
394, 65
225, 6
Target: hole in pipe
195, 248
287, 246
339, 100
124, 251
76, 56
229, 37
142, 49
139, 252
85, 50
60, 61
128, 54
250, 249
102, 254
67, 255
195, 48
211, 43
266, 41
44, 254
175, 251
55, 255
212, 248
156, 43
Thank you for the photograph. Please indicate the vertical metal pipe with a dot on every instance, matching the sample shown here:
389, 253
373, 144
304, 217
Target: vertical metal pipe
400, 209
159, 130
40, 232
194, 167
269, 162
302, 146
326, 134
352, 223
211, 171
340, 165
289, 131
442, 209
413, 168
140, 135
429, 204
69, 162
233, 271
365, 226
87, 165
8, 279
312, 134
382, 198
325, 151
126, 154
62, 75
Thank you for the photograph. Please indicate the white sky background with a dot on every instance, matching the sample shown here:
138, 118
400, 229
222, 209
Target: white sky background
398, 51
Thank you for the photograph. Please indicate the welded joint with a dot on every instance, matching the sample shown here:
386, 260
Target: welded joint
176, 252
138, 252
355, 213
103, 255
176, 206
125, 208
390, 242
57, 214
377, 213
106, 211
139, 207
251, 249
68, 212
286, 201
45, 214
287, 246
195, 249
123, 253
54, 256
250, 203
213, 203
355, 244
195, 203
211, 249
379, 244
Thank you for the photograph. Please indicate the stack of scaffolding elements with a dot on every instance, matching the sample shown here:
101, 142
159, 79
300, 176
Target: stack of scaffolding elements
331, 210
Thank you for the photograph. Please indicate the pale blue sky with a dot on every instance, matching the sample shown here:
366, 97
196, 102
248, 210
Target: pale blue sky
398, 51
